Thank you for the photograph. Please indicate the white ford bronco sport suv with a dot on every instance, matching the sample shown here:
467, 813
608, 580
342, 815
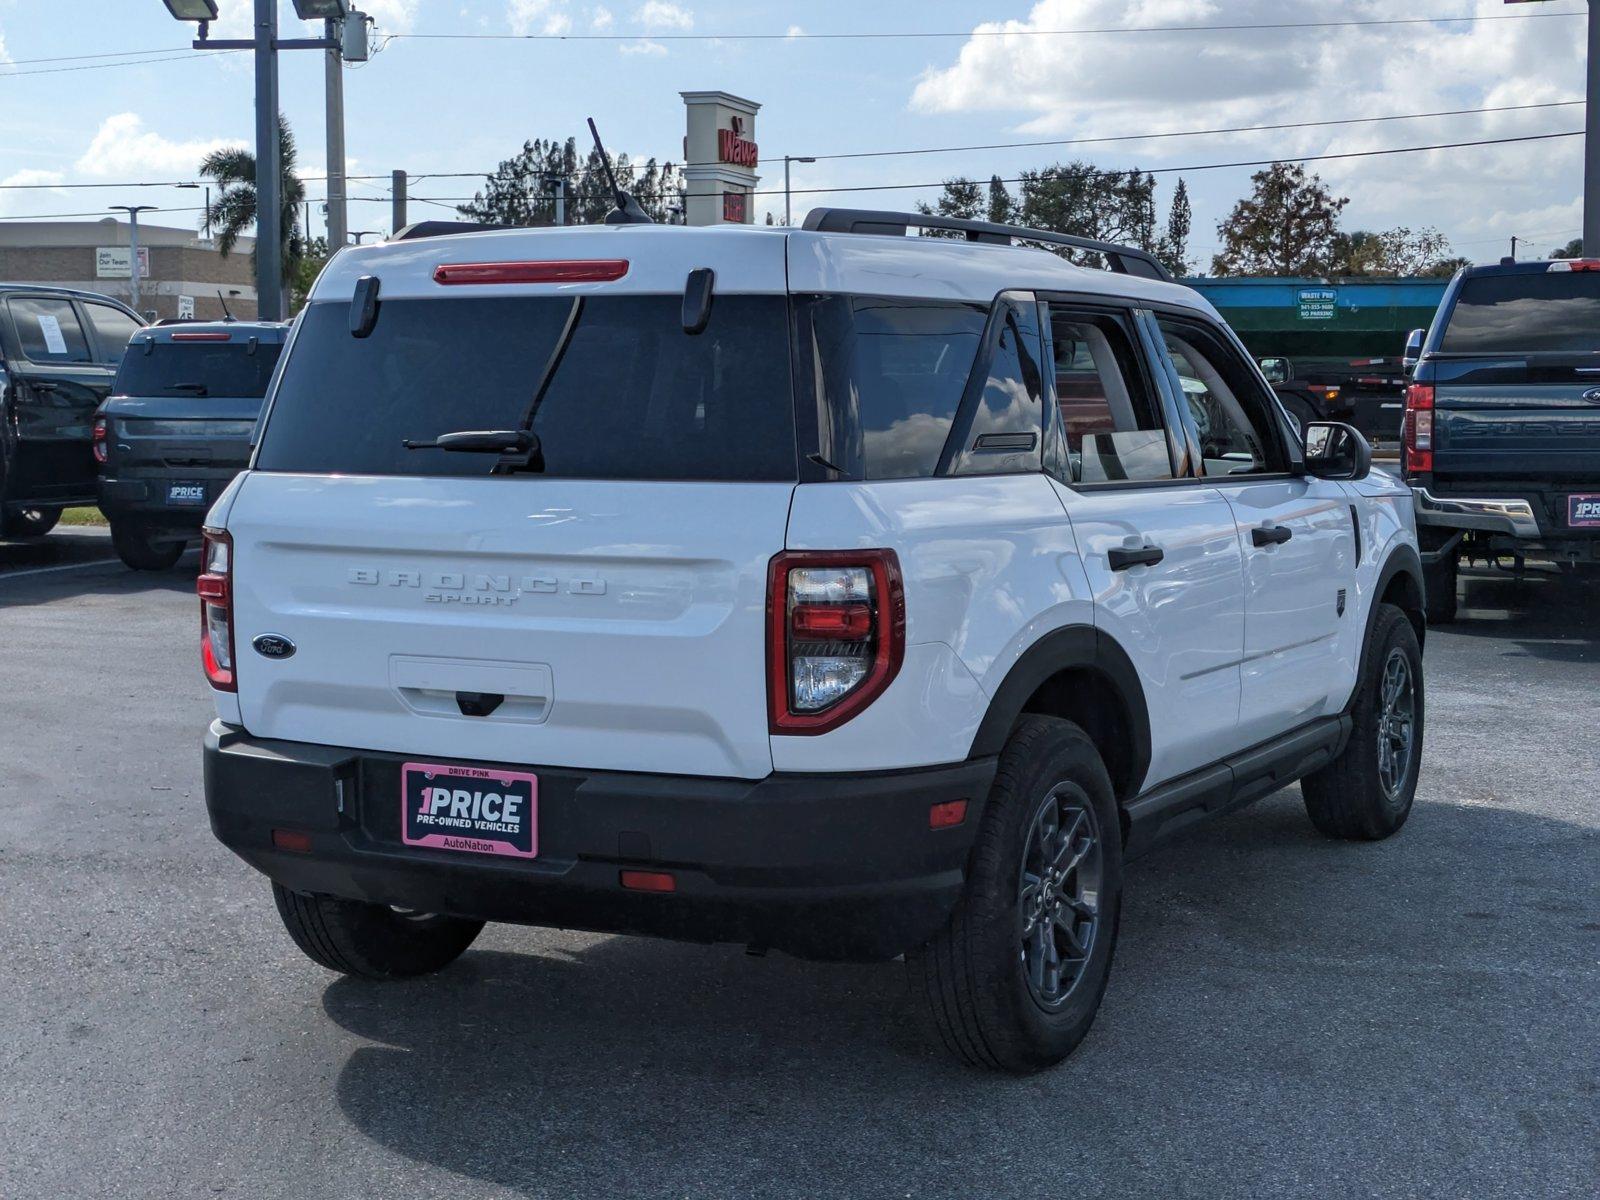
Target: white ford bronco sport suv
832, 590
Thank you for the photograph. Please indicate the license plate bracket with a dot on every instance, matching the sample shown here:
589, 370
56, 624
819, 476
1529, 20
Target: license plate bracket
472, 810
1583, 511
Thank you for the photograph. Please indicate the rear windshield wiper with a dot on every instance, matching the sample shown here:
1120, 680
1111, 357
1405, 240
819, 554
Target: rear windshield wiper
194, 389
479, 441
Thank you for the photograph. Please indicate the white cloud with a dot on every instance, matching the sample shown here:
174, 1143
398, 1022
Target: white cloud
236, 18
643, 46
538, 16
795, 31
19, 191
601, 19
5, 58
659, 15
123, 148
1089, 86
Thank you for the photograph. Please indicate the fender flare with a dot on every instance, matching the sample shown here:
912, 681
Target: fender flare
1403, 560
1072, 647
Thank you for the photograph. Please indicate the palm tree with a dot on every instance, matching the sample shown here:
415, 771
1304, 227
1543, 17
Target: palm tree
234, 209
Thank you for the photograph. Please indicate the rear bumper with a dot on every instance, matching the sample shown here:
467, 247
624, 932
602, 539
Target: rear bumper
143, 500
821, 866
1491, 514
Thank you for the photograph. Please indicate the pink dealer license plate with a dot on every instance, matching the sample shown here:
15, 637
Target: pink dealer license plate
473, 809
1583, 512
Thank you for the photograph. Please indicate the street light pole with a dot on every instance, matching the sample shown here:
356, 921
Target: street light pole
788, 215
269, 205
133, 211
1591, 140
334, 78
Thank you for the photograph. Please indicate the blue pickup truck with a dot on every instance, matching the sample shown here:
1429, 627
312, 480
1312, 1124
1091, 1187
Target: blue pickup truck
1501, 438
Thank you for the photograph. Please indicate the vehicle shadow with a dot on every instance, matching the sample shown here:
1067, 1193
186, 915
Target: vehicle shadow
1263, 973
54, 569
1539, 616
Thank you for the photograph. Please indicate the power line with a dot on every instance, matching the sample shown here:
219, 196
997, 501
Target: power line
191, 56
801, 35
19, 62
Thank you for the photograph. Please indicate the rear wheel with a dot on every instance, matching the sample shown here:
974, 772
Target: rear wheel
142, 551
1014, 980
1366, 793
29, 522
373, 941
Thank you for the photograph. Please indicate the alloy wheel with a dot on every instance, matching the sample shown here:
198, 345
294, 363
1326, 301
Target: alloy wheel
1059, 894
1397, 723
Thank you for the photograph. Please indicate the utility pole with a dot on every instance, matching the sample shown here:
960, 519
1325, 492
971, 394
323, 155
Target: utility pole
133, 211
561, 201
397, 215
1591, 140
269, 204
788, 215
1514, 240
338, 223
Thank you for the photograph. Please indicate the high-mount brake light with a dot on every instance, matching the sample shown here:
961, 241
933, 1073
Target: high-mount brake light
1575, 264
836, 633
1417, 436
200, 337
578, 270
98, 439
215, 589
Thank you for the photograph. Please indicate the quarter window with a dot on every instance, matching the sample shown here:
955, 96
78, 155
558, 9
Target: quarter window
1109, 418
1007, 423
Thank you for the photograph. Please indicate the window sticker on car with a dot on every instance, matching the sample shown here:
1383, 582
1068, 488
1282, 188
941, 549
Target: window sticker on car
51, 329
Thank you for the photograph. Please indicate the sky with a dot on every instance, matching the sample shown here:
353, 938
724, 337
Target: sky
426, 103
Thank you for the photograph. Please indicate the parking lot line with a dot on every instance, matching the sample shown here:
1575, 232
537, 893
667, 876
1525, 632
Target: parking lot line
98, 562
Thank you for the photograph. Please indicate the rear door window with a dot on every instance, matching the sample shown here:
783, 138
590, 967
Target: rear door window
231, 369
1552, 312
48, 329
633, 396
112, 329
1109, 414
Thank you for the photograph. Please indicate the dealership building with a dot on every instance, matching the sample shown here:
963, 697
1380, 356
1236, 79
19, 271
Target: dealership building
180, 273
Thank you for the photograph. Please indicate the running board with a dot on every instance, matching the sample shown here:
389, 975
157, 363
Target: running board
1245, 777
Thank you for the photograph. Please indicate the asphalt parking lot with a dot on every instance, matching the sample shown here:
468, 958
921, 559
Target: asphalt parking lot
1287, 1015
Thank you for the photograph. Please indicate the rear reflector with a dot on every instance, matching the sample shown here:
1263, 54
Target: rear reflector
649, 881
587, 270
200, 337
947, 814
292, 839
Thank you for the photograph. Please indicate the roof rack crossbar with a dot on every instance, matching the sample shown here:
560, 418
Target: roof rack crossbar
1127, 260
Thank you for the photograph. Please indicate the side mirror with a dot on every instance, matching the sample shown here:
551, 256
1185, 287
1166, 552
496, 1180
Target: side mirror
1413, 349
1335, 450
1277, 370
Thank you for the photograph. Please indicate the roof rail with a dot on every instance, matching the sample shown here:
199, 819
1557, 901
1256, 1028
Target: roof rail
1126, 260
422, 229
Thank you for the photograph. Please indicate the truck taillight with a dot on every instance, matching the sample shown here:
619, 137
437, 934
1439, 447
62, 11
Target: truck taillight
1417, 438
98, 439
215, 588
836, 634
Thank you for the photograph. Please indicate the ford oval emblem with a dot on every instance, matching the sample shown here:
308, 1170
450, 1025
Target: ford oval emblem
273, 645
1592, 395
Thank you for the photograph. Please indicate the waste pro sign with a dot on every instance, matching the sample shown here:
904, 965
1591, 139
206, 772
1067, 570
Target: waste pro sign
1318, 304
116, 262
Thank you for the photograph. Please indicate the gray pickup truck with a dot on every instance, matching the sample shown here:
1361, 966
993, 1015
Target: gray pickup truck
1501, 438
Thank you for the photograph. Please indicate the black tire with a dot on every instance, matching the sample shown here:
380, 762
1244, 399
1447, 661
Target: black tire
1439, 581
140, 551
1354, 796
973, 977
372, 941
29, 522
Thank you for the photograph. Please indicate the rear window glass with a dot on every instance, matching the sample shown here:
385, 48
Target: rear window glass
634, 396
1526, 314
888, 375
196, 369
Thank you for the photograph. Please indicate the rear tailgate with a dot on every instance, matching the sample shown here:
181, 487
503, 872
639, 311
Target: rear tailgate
1534, 417
622, 622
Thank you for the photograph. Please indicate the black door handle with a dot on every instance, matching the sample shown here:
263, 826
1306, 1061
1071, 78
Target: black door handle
1123, 557
1270, 535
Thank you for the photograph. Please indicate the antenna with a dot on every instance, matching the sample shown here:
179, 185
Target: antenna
225, 313
627, 211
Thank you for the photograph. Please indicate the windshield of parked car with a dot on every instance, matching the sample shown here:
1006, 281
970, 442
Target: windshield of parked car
1555, 311
196, 369
633, 397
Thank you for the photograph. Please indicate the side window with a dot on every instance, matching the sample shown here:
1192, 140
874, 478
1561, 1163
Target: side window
1007, 428
1230, 414
1112, 422
48, 330
112, 329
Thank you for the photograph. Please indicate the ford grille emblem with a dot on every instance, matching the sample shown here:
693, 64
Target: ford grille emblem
273, 645
1592, 395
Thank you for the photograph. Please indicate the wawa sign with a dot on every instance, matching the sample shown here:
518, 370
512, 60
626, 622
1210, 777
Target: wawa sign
733, 147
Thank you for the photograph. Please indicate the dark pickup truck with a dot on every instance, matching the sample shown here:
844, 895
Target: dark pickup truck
58, 352
1501, 437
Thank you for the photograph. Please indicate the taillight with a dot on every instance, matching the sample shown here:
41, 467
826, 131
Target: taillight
215, 588
1417, 438
836, 635
99, 439
1575, 264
